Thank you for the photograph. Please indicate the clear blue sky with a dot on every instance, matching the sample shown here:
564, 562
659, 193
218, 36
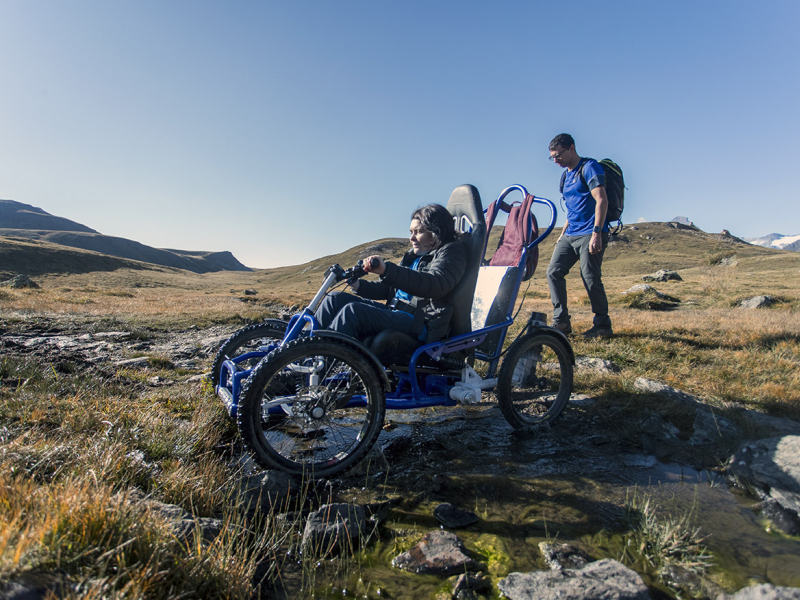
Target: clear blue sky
288, 130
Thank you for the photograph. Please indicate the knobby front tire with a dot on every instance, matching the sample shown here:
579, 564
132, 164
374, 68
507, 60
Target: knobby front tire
321, 424
247, 339
535, 381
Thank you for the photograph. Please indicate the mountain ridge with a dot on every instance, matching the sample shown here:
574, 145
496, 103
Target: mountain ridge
777, 240
19, 220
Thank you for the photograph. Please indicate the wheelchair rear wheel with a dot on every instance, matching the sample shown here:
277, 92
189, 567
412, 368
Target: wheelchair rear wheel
321, 424
535, 381
247, 339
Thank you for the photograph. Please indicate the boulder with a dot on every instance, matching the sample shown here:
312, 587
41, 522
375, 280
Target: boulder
438, 553
19, 282
757, 302
596, 365
763, 591
335, 527
773, 466
262, 491
605, 579
709, 428
662, 389
663, 275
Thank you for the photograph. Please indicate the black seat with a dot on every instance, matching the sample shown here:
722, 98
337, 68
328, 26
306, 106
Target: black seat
394, 347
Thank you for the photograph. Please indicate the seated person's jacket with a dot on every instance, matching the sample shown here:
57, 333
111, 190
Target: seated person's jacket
430, 284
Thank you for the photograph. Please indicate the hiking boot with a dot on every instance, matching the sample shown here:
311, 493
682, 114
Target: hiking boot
597, 331
565, 328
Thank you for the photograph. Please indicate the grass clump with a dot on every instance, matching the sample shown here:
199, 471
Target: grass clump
648, 299
657, 543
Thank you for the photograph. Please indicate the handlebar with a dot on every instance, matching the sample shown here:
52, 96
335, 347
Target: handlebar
353, 273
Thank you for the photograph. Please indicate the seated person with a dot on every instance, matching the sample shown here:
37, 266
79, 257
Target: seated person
416, 289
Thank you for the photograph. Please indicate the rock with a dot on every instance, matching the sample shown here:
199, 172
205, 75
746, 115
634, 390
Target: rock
780, 517
183, 525
335, 527
19, 282
655, 387
772, 465
439, 553
639, 288
250, 292
710, 428
141, 361
605, 579
764, 591
659, 437
267, 489
596, 365
35, 586
559, 556
663, 275
777, 426
469, 582
454, 517
658, 428
758, 302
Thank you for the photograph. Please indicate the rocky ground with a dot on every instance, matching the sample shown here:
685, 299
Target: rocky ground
423, 463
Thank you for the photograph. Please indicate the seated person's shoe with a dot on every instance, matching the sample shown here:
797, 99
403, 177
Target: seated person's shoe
596, 332
565, 328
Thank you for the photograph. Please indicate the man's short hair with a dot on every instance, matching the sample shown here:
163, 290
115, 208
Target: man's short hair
562, 140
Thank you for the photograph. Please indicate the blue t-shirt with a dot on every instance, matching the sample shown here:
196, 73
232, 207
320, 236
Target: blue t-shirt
578, 197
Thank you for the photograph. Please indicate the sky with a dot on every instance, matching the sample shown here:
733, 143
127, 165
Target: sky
284, 131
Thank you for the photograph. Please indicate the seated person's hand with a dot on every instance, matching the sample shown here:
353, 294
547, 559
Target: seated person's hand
379, 270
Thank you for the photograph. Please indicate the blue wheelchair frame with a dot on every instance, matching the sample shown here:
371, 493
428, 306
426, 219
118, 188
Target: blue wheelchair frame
410, 391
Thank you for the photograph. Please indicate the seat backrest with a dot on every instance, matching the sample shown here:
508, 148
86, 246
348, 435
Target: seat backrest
495, 294
467, 210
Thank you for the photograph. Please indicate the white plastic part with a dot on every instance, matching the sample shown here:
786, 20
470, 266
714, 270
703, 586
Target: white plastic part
468, 390
465, 394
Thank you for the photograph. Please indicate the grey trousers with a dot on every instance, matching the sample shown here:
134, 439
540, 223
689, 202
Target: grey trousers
568, 251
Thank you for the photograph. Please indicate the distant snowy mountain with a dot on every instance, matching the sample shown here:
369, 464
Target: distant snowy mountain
777, 240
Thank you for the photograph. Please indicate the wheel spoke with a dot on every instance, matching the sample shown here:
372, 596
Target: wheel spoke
328, 421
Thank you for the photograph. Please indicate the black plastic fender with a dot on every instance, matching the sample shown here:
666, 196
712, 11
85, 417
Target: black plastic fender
555, 333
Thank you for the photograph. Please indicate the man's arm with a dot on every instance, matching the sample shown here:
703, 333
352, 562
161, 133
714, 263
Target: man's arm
601, 207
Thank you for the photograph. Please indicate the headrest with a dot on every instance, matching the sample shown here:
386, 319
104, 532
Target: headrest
465, 206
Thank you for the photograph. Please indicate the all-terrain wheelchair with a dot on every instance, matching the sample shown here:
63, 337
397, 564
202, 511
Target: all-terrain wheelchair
312, 401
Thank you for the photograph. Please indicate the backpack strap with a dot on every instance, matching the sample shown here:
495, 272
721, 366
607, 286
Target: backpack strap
581, 165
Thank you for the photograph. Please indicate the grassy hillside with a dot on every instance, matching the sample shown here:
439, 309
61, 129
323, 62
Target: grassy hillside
82, 441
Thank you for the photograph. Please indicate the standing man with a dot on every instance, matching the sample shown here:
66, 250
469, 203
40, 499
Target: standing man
584, 237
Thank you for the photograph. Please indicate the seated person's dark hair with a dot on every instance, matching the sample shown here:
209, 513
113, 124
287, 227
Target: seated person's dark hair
437, 220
